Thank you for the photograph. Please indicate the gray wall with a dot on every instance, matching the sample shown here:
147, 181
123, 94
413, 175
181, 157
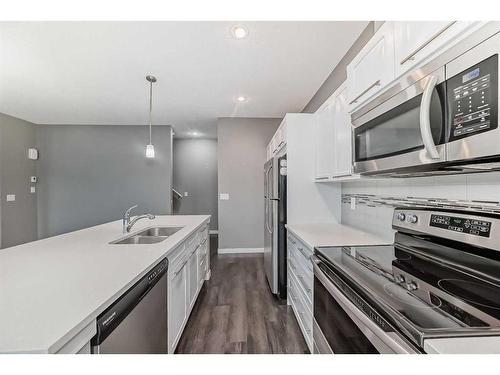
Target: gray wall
195, 172
18, 218
241, 155
90, 174
339, 74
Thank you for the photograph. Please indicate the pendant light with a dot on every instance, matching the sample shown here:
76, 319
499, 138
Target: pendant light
150, 149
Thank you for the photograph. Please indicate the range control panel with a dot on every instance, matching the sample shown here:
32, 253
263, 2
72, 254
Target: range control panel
463, 225
473, 99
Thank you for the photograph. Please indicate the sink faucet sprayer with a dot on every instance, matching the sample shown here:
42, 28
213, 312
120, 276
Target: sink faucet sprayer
128, 224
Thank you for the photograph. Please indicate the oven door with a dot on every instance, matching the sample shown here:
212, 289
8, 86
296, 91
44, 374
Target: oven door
341, 327
406, 131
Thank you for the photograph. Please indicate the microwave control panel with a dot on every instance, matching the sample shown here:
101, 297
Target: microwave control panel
473, 99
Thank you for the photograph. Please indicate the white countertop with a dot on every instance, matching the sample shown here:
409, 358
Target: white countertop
463, 345
52, 288
333, 234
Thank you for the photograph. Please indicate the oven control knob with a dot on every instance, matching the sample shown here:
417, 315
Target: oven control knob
411, 286
412, 219
401, 216
400, 279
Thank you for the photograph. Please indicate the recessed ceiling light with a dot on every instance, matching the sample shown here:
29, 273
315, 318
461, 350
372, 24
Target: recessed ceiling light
239, 32
241, 99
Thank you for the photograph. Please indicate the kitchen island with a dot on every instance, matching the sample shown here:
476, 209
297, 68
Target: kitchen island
52, 290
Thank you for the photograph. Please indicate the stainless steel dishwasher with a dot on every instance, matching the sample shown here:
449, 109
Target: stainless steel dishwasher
137, 321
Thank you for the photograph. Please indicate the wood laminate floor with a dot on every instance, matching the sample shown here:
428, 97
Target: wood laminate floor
236, 313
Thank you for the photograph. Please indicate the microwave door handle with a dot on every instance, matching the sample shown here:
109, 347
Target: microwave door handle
425, 119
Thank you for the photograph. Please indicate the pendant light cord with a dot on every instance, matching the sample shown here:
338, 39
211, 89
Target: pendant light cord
150, 108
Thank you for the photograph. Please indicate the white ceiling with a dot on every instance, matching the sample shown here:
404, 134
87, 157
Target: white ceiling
94, 72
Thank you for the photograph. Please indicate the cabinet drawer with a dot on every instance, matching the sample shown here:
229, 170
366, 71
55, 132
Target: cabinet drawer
175, 258
203, 234
304, 278
299, 251
304, 317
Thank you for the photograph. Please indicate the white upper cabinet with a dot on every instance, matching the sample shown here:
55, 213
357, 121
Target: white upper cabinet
343, 134
334, 138
325, 141
278, 141
417, 40
373, 67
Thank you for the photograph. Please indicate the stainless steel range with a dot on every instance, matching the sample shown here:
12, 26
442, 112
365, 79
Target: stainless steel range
441, 278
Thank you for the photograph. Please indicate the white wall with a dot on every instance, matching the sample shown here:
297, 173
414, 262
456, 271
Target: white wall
307, 201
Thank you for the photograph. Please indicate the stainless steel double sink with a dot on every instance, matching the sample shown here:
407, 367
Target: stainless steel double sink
148, 236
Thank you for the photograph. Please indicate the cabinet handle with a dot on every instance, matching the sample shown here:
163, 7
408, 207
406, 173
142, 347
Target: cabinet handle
180, 269
322, 178
302, 318
411, 56
308, 290
376, 83
303, 252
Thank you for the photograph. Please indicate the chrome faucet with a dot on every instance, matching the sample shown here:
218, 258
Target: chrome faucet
128, 224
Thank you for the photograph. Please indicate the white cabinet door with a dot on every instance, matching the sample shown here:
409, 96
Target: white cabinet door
343, 134
325, 142
202, 255
373, 67
192, 270
416, 40
177, 305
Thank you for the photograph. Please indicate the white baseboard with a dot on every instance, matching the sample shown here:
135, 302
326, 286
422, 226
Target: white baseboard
241, 250
213, 231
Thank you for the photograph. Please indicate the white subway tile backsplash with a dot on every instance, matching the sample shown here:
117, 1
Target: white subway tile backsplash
483, 187
377, 197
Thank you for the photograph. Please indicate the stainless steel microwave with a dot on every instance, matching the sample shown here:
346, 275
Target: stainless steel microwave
446, 122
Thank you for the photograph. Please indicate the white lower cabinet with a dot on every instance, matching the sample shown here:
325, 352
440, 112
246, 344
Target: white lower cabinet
177, 305
193, 285
188, 268
300, 286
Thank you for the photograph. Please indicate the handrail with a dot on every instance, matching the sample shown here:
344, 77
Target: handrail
177, 194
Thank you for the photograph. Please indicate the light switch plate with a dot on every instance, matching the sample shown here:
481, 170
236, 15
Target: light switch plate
32, 189
224, 196
11, 197
186, 194
33, 179
32, 153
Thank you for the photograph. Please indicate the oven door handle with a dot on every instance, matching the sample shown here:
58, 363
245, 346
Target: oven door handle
425, 118
365, 324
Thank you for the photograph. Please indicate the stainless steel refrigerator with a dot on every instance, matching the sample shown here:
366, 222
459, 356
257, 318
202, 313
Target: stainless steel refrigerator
274, 224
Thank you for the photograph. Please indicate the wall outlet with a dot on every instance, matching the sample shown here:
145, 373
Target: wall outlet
33, 179
186, 194
11, 197
224, 196
353, 203
32, 189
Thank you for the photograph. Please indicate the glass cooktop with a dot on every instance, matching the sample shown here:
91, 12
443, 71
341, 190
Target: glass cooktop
423, 288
